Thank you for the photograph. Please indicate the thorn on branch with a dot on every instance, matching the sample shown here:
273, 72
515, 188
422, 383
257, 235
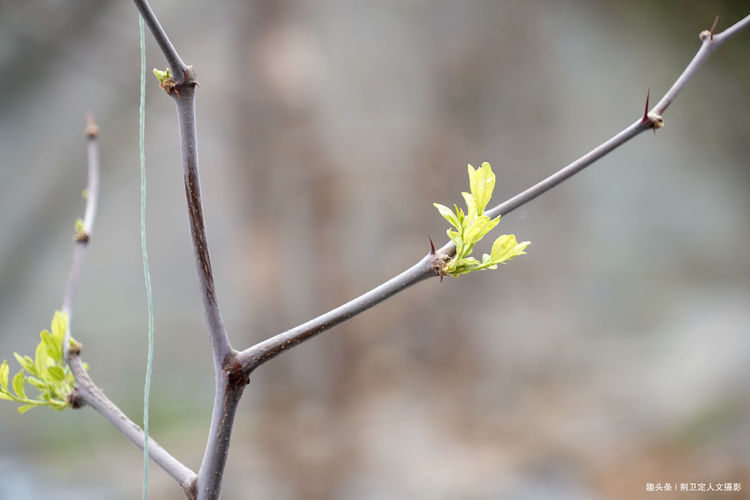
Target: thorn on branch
654, 119
645, 109
432, 245
708, 35
713, 27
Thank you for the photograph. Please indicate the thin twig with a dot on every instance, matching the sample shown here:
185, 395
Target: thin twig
178, 68
268, 349
86, 392
89, 394
82, 237
254, 356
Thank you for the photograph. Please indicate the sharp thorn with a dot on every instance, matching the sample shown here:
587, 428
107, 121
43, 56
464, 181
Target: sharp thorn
713, 27
645, 118
432, 246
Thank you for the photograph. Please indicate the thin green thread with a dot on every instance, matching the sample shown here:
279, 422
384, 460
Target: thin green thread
144, 253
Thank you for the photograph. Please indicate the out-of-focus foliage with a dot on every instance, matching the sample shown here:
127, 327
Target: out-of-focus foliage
47, 372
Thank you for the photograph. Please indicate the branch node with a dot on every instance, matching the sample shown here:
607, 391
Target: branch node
81, 237
74, 349
438, 265
236, 376
169, 86
75, 400
656, 121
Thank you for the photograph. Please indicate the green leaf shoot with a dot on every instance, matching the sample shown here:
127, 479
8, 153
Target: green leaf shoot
472, 226
47, 372
162, 75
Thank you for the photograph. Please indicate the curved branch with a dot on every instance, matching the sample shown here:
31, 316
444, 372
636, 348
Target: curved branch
254, 356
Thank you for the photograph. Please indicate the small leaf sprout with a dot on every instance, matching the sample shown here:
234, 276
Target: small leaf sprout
47, 372
470, 227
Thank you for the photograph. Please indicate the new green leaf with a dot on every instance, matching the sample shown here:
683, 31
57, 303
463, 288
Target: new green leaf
472, 226
47, 372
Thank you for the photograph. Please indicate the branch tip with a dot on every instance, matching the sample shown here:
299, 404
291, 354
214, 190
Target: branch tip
92, 130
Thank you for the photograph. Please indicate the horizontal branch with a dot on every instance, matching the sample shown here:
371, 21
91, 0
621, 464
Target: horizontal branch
258, 354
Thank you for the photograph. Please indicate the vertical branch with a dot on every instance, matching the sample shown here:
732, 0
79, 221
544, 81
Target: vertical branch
86, 392
226, 394
83, 233
189, 145
228, 390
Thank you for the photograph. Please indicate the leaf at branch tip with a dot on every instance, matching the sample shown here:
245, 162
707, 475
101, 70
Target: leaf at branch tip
59, 325
26, 363
41, 360
482, 184
23, 409
162, 75
18, 385
471, 205
506, 247
50, 345
447, 214
56, 373
4, 375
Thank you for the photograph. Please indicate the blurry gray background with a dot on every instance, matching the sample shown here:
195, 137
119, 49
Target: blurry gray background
614, 354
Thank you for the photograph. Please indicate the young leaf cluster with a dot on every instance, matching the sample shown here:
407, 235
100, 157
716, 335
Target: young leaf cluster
470, 227
162, 75
47, 372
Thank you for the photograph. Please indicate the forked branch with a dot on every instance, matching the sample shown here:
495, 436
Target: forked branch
232, 369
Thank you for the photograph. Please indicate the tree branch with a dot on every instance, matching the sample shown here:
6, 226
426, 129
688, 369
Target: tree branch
86, 391
258, 354
89, 394
178, 68
84, 232
227, 393
255, 356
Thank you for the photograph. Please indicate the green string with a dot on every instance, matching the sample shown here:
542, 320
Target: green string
144, 253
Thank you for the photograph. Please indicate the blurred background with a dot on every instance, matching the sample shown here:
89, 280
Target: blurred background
613, 355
